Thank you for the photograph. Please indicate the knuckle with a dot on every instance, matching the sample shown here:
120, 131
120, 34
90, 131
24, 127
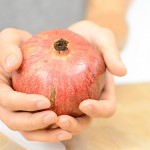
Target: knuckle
75, 133
24, 102
88, 22
3, 102
27, 136
110, 112
109, 33
88, 123
7, 30
8, 102
4, 99
32, 106
76, 127
11, 125
26, 99
15, 102
13, 128
33, 122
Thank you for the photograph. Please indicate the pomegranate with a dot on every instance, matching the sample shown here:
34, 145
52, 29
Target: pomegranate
62, 66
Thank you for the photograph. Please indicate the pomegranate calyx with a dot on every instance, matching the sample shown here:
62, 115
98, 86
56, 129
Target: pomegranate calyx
61, 45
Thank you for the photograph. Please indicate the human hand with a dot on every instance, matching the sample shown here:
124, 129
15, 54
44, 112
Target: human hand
113, 65
104, 40
20, 111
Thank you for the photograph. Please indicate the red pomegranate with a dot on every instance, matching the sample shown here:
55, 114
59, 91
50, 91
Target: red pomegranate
62, 66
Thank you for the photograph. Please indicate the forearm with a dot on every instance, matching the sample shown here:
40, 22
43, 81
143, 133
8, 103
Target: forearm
110, 14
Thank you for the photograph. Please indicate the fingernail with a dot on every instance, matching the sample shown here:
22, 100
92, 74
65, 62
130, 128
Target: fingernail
123, 66
43, 104
10, 60
48, 119
87, 108
121, 61
61, 137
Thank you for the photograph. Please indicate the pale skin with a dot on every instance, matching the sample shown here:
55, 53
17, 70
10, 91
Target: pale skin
34, 126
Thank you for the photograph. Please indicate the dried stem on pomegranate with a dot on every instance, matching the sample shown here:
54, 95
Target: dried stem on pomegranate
61, 45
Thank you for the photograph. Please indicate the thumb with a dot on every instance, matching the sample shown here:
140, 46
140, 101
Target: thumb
103, 39
11, 58
10, 52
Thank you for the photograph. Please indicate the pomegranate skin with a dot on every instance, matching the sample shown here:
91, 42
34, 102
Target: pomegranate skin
66, 77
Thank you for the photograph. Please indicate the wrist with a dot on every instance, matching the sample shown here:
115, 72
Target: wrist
96, 7
116, 23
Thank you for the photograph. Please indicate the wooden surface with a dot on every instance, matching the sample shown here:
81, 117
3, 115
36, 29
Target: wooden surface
128, 129
8, 144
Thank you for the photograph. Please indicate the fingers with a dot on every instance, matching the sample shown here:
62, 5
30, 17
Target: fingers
15, 101
55, 135
105, 107
24, 121
74, 125
98, 109
104, 40
108, 92
10, 53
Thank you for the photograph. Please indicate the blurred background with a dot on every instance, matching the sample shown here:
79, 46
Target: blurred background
136, 54
38, 15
